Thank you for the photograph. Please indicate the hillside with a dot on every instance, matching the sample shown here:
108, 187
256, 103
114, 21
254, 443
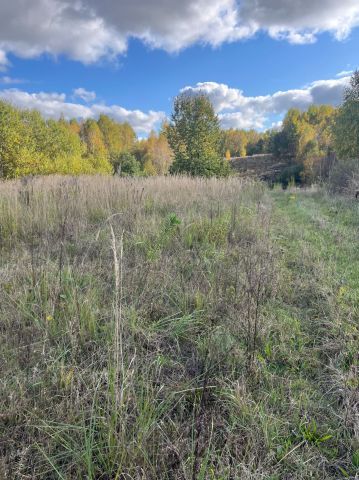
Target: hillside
176, 328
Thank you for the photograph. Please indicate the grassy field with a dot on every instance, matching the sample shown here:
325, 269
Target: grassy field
172, 328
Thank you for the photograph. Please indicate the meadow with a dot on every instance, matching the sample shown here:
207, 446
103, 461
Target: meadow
177, 328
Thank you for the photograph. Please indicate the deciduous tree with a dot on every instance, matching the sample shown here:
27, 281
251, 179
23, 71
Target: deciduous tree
195, 137
346, 129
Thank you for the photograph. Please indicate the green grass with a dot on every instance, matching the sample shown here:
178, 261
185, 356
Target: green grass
218, 340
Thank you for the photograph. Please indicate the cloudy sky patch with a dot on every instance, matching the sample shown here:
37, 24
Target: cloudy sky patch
87, 30
236, 110
130, 59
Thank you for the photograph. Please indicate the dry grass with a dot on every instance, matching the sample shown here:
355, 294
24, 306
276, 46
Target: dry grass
154, 329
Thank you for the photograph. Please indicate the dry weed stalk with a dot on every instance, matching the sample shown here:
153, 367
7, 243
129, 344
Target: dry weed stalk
118, 340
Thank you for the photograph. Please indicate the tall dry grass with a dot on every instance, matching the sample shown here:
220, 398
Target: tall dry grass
143, 334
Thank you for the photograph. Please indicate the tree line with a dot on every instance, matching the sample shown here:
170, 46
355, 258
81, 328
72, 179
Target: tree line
191, 143
311, 140
305, 144
31, 145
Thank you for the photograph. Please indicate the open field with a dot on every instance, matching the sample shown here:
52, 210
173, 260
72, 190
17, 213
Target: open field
173, 328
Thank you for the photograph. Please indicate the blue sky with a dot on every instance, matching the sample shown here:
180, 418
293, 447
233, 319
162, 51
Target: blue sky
254, 63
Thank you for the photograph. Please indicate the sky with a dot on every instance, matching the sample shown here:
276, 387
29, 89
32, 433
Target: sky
129, 59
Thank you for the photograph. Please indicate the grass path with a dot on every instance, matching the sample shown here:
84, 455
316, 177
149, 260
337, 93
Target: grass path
318, 239
329, 229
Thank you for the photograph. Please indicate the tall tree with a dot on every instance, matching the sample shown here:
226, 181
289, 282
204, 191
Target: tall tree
346, 129
18, 152
118, 137
96, 151
157, 152
195, 137
235, 141
93, 139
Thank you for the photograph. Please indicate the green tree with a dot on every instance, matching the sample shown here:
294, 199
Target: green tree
61, 140
126, 164
74, 126
18, 152
195, 137
128, 136
236, 142
346, 128
305, 141
93, 139
291, 131
156, 153
118, 137
255, 142
96, 151
148, 167
31, 145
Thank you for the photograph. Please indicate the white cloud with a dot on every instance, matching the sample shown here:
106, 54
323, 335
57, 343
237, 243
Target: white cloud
140, 121
88, 30
10, 80
246, 120
344, 73
54, 105
56, 27
4, 62
277, 125
299, 21
236, 110
84, 94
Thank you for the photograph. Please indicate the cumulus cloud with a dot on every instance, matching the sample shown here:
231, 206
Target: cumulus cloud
142, 122
88, 30
299, 21
56, 27
54, 105
246, 120
84, 94
236, 110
